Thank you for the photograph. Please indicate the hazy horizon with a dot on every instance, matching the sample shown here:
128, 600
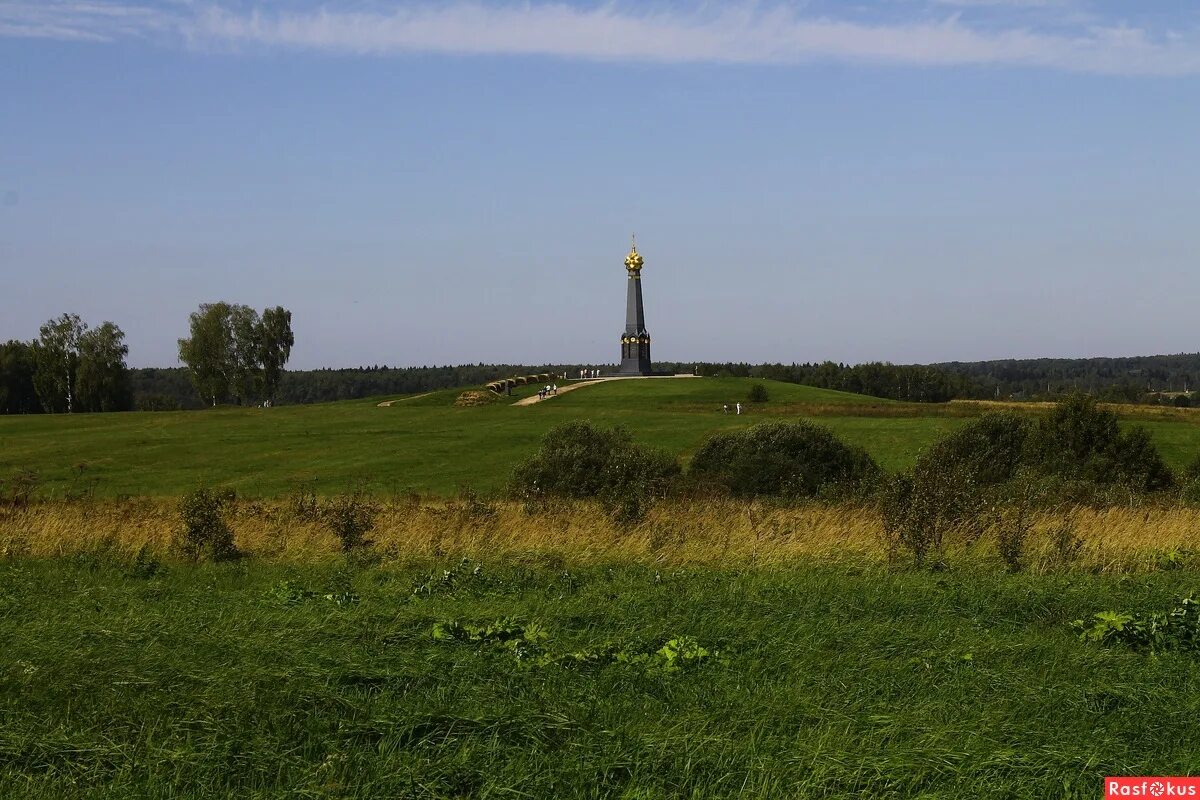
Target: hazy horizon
913, 181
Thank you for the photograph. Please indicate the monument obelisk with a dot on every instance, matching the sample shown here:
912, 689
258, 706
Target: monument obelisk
635, 341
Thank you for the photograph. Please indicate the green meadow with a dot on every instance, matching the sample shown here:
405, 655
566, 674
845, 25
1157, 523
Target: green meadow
539, 679
427, 445
443, 663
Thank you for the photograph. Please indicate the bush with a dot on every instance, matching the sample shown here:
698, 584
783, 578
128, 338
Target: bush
988, 451
1082, 442
205, 533
578, 460
799, 459
351, 517
758, 393
922, 506
1137, 464
1182, 401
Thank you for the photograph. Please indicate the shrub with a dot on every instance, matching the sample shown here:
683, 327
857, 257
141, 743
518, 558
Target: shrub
1182, 401
799, 459
988, 451
1137, 464
205, 533
579, 460
351, 517
758, 393
1080, 441
921, 506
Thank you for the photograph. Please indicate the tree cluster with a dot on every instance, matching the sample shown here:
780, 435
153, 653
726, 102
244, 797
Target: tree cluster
70, 367
235, 354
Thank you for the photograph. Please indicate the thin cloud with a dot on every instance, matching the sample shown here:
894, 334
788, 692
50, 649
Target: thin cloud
82, 21
744, 34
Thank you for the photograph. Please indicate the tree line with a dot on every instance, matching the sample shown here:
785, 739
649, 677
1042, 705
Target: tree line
233, 354
911, 383
1132, 379
161, 389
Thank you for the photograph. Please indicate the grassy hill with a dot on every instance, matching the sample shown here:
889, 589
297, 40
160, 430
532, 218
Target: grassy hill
428, 445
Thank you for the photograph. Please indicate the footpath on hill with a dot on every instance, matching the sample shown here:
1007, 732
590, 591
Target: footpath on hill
388, 403
570, 387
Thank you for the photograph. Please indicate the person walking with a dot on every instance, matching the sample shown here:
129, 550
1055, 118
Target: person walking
739, 409
726, 408
556, 389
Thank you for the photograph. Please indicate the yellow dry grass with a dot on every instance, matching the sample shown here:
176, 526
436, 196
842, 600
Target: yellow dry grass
701, 533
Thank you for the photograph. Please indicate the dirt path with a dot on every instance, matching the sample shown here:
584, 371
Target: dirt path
387, 403
570, 387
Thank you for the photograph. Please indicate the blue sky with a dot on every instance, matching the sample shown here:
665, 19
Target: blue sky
456, 182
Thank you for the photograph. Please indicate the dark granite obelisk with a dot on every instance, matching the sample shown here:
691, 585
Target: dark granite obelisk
635, 341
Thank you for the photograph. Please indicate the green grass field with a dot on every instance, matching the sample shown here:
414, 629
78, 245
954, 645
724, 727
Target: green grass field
300, 673
824, 680
427, 445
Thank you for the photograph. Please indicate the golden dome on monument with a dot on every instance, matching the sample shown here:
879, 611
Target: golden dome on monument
634, 261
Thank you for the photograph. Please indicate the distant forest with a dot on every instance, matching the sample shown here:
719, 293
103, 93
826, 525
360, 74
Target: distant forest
1135, 380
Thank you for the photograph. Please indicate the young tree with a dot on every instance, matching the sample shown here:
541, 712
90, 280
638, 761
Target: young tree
103, 379
57, 359
208, 352
275, 348
17, 392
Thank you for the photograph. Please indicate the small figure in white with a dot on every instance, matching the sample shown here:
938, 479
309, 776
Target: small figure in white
555, 389
726, 408
739, 409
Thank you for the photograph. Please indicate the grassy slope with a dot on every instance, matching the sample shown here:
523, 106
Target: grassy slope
838, 682
428, 445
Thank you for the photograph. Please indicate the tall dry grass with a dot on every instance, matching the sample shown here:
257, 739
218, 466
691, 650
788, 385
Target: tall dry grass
705, 532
